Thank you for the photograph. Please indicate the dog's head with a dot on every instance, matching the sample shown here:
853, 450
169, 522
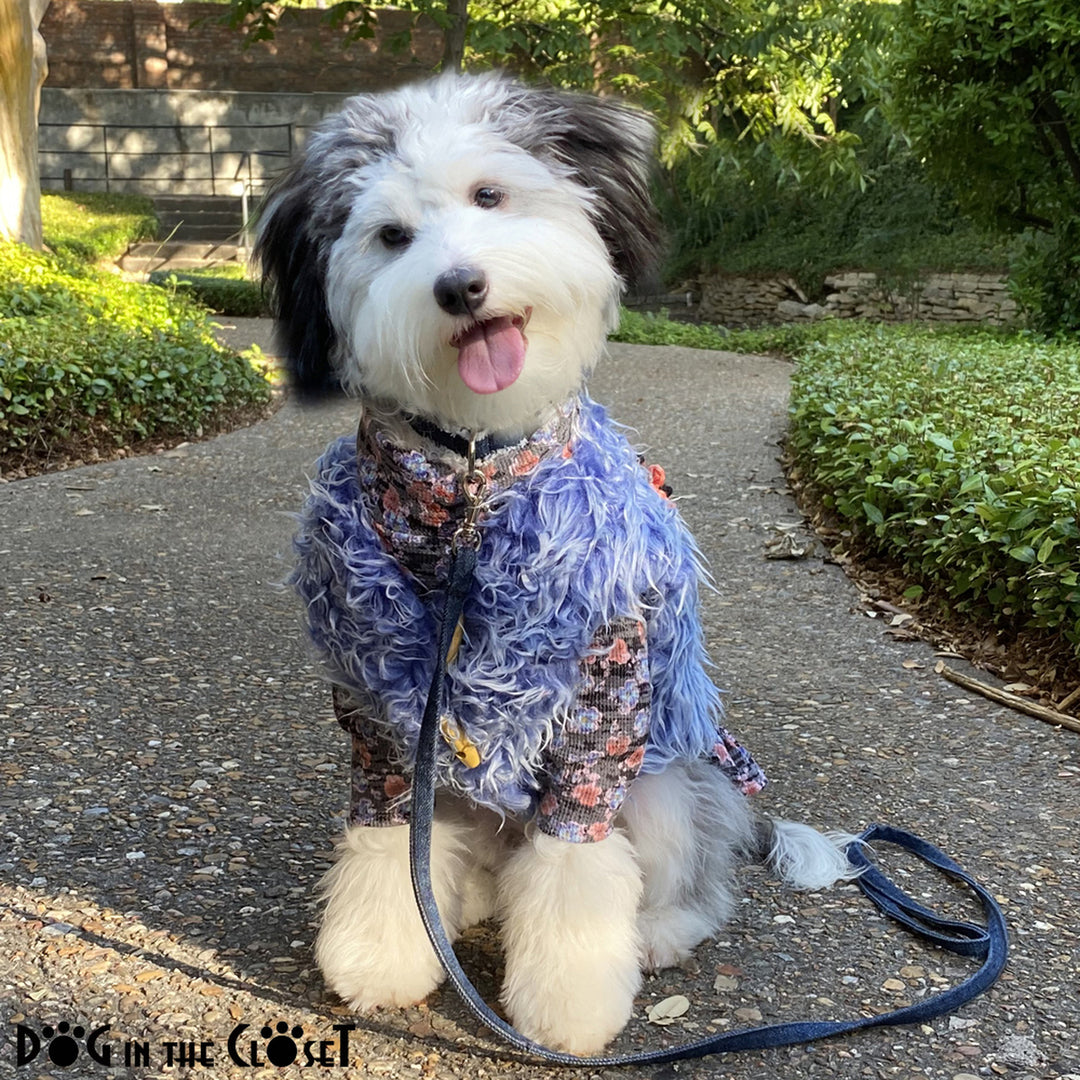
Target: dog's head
457, 249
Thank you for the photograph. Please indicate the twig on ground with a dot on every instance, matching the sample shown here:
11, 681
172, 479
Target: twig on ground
1067, 701
1005, 697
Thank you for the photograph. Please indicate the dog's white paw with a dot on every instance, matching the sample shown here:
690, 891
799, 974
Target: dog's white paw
570, 934
366, 975
372, 947
668, 937
578, 1013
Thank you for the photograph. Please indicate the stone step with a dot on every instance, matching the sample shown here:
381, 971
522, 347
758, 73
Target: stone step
187, 217
200, 231
146, 257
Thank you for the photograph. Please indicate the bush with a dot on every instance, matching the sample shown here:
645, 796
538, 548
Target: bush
89, 226
87, 357
1046, 279
899, 227
227, 294
957, 455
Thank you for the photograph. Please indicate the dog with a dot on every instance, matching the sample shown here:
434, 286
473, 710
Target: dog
453, 253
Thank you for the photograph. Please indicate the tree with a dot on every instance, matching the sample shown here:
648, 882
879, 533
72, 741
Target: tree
23, 68
988, 92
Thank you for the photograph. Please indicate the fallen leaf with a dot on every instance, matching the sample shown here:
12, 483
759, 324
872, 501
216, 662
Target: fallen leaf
725, 982
748, 1016
669, 1010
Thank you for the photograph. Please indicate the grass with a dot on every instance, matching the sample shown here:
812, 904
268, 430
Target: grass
225, 288
90, 226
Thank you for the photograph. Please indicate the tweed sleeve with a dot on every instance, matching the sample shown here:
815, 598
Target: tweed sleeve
379, 788
598, 752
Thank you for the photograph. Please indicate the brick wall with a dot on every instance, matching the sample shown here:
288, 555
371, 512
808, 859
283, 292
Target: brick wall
128, 44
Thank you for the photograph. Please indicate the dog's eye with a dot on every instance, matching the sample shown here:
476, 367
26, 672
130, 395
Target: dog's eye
488, 197
395, 237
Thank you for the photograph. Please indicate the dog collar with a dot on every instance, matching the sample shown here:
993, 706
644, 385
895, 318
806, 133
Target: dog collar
457, 443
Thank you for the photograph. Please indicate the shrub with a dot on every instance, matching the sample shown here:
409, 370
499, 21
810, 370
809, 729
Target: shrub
957, 455
899, 226
84, 355
89, 226
227, 294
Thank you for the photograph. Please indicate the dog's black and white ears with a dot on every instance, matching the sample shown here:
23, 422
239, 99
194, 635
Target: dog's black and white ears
610, 149
601, 144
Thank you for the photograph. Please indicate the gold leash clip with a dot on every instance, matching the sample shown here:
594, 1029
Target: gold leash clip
464, 748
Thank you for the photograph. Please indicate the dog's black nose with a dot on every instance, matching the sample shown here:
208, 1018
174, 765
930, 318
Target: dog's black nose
460, 292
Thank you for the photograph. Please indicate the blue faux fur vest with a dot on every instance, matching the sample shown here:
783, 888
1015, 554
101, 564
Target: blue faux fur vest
578, 541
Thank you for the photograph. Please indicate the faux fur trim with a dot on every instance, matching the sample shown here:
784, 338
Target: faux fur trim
577, 543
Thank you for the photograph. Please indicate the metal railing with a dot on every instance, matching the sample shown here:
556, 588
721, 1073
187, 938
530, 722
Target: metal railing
107, 156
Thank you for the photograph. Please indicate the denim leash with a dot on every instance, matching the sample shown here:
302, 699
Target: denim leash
988, 944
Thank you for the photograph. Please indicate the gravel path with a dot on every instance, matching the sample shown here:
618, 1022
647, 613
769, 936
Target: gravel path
172, 778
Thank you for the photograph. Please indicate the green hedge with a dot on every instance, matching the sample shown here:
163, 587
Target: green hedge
86, 356
225, 293
956, 454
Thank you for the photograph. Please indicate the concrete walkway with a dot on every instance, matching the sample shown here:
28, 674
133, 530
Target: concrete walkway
172, 778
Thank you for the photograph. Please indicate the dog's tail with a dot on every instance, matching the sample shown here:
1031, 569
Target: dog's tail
802, 857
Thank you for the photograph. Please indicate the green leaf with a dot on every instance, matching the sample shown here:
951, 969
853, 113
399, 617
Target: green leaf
873, 513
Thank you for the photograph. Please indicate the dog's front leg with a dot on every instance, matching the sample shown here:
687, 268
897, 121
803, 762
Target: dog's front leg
570, 937
372, 947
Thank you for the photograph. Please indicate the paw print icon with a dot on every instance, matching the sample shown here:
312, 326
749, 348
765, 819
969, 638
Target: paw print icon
61, 1045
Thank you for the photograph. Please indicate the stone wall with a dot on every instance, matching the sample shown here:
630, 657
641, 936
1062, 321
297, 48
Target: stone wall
130, 44
176, 142
742, 301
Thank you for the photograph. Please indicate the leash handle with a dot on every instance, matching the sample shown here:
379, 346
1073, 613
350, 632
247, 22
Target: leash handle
989, 943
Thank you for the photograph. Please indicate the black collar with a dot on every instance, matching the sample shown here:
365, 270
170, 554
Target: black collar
458, 444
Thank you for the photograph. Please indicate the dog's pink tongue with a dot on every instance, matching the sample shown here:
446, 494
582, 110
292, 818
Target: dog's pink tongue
491, 355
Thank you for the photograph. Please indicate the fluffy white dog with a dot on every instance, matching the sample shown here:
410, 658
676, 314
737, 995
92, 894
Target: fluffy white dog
453, 254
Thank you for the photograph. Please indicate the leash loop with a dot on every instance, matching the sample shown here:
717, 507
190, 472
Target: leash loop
988, 944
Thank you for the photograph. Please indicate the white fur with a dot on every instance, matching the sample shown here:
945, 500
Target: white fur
807, 859
372, 947
570, 935
396, 341
691, 829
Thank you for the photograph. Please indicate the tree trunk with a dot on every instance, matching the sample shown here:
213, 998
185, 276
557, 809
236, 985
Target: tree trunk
23, 68
453, 58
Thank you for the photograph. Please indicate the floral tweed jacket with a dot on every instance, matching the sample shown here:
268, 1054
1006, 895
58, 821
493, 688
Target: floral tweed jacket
582, 662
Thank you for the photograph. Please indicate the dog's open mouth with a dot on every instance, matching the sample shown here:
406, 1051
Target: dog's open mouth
491, 353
